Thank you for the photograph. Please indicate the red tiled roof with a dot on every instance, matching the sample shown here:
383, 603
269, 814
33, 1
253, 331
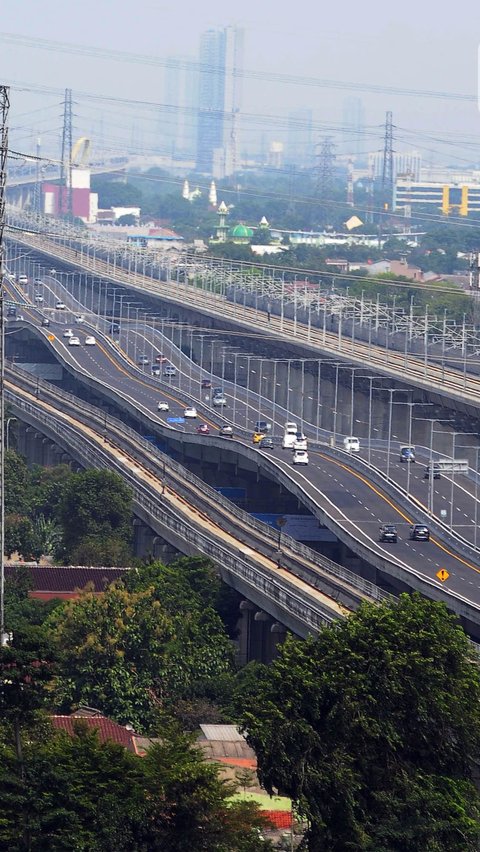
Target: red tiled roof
60, 580
108, 730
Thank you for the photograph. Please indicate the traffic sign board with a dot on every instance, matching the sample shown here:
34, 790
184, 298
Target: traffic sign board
443, 575
175, 420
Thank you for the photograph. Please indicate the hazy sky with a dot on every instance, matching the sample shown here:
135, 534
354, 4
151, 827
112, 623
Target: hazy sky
406, 45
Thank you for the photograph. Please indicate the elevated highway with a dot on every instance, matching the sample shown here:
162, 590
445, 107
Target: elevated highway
303, 593
346, 496
445, 382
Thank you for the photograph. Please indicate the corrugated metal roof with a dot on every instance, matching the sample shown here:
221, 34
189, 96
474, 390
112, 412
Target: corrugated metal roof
228, 733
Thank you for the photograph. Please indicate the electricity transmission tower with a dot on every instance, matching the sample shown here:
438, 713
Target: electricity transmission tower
325, 169
66, 198
4, 107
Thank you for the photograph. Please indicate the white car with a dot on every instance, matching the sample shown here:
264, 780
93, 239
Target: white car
38, 297
190, 412
300, 457
79, 319
68, 333
163, 406
60, 306
219, 400
22, 279
301, 442
38, 281
74, 341
90, 340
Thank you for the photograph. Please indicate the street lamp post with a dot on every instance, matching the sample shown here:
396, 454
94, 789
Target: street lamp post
432, 421
452, 484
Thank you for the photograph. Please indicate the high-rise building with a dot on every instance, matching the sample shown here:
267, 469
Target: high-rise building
353, 126
178, 118
299, 150
404, 163
221, 56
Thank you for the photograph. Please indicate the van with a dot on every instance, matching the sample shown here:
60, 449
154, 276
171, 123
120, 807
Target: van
289, 436
351, 444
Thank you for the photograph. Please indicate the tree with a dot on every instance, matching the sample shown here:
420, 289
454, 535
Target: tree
17, 484
192, 810
19, 536
373, 729
96, 504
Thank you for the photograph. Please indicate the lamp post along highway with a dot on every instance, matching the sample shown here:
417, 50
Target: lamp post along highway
4, 107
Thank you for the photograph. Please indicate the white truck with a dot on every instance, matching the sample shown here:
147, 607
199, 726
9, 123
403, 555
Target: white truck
289, 435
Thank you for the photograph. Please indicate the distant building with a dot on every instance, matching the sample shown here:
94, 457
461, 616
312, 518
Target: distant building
397, 268
299, 147
450, 199
404, 163
219, 95
78, 199
177, 129
353, 126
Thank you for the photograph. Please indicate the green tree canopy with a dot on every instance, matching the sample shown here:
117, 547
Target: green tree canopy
95, 505
373, 728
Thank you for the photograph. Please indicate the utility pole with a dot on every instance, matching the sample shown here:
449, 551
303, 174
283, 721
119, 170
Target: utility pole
66, 198
4, 107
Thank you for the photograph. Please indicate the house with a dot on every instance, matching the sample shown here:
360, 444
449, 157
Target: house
108, 730
60, 581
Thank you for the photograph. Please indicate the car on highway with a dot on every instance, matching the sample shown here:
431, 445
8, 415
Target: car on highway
160, 359
190, 412
206, 383
45, 322
300, 457
226, 431
11, 311
388, 532
351, 444
68, 333
163, 405
419, 532
219, 400
79, 318
257, 437
301, 442
38, 282
436, 471
20, 317
169, 371
156, 369
217, 392
407, 454
38, 297
266, 443
203, 429
114, 328
143, 361
74, 341
22, 278
52, 271
60, 306
90, 340
263, 426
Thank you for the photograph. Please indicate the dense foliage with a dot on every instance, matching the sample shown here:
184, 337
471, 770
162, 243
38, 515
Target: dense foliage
373, 728
74, 792
81, 518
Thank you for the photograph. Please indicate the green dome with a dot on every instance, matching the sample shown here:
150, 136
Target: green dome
241, 232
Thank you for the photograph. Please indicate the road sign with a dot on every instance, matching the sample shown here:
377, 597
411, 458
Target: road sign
175, 420
450, 465
51, 337
443, 575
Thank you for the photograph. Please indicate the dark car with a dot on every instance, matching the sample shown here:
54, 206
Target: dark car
407, 454
206, 383
388, 532
419, 532
266, 444
217, 392
114, 328
45, 322
262, 426
11, 311
436, 472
